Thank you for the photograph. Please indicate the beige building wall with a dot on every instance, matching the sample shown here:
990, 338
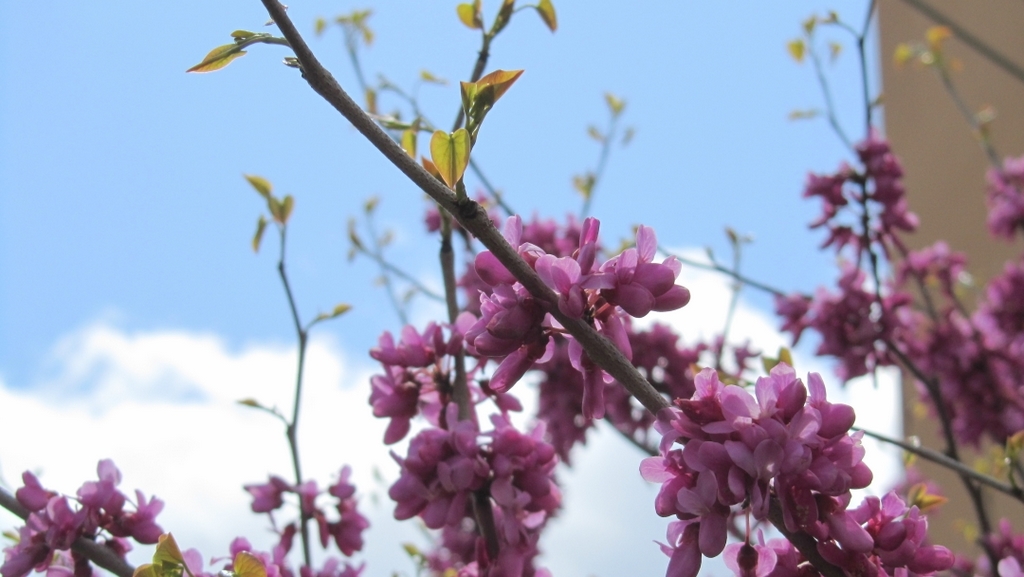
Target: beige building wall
945, 171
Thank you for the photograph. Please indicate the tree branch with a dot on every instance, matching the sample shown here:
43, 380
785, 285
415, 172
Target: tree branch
467, 212
474, 219
102, 556
943, 460
986, 51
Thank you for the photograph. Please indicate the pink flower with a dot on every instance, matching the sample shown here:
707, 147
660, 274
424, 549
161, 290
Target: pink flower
268, 497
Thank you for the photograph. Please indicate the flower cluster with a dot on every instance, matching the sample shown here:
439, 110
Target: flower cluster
854, 323
449, 473
785, 443
346, 531
858, 323
874, 196
53, 524
514, 326
977, 360
1006, 198
417, 373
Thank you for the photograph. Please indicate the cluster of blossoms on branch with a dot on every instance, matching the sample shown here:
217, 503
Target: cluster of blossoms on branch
744, 450
974, 361
52, 527
453, 469
44, 542
346, 531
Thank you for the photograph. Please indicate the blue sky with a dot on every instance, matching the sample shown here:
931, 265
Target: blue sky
121, 175
123, 207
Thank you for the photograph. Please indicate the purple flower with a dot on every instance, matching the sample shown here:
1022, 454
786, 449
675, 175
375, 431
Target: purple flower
140, 525
268, 497
32, 495
441, 470
640, 285
1006, 198
748, 560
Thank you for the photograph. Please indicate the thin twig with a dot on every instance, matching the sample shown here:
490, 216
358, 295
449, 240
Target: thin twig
393, 269
861, 37
826, 92
973, 491
968, 115
378, 256
734, 301
714, 266
982, 48
602, 161
100, 555
496, 194
952, 464
293, 426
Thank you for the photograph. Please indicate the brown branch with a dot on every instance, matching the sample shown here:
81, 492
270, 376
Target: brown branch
102, 556
473, 218
952, 464
467, 212
802, 541
979, 45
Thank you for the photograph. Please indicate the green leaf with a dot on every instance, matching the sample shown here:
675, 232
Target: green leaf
248, 565
834, 48
936, 36
902, 54
261, 225
615, 104
356, 23
250, 403
261, 185
478, 97
919, 496
371, 204
469, 14
1015, 444
167, 551
218, 58
504, 15
786, 356
547, 13
809, 25
242, 35
429, 167
450, 154
500, 80
584, 184
797, 48
593, 132
353, 235
628, 135
286, 208
427, 76
409, 142
371, 100
336, 312
804, 114
319, 26
275, 207
146, 570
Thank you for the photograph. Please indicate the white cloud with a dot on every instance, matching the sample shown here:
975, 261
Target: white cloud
163, 405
